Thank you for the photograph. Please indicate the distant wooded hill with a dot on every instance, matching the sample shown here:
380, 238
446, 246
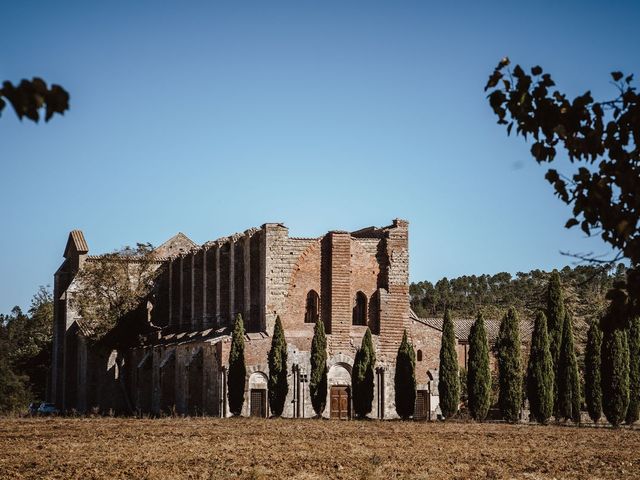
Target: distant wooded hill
584, 289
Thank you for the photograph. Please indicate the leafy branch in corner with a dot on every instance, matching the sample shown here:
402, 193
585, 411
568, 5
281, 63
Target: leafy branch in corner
29, 96
602, 137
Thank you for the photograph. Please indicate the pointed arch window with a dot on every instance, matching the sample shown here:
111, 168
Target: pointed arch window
360, 309
312, 310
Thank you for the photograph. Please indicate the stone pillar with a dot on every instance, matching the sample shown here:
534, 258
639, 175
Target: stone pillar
394, 313
341, 308
181, 310
232, 281
247, 283
193, 319
217, 306
205, 313
170, 292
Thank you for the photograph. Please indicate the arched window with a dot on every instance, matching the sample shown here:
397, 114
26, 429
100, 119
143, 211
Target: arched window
312, 311
360, 309
419, 355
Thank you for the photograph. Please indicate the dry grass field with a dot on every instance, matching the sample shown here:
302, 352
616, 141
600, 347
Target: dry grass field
306, 449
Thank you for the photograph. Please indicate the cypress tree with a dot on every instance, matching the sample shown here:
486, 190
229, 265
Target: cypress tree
479, 374
568, 381
614, 369
593, 391
362, 378
278, 386
405, 379
540, 372
555, 319
510, 373
318, 380
237, 368
615, 374
634, 371
448, 376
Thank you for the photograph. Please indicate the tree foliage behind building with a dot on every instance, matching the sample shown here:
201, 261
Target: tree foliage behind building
110, 286
25, 352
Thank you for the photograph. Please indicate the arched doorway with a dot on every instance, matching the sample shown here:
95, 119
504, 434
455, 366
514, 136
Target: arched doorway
339, 390
258, 395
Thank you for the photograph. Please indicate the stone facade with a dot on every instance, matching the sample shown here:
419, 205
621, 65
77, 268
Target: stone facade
350, 280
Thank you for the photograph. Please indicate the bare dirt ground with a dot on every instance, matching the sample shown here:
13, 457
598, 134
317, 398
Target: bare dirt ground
201, 448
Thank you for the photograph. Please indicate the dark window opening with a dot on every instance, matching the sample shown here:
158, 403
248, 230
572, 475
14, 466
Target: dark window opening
312, 311
419, 355
360, 309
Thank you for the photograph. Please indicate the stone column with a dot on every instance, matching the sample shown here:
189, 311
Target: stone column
232, 278
181, 311
193, 319
217, 313
341, 308
247, 282
170, 291
205, 313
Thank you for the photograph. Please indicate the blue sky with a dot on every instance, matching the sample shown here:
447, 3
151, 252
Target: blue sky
209, 118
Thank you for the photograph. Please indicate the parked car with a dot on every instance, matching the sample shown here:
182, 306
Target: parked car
48, 409
33, 408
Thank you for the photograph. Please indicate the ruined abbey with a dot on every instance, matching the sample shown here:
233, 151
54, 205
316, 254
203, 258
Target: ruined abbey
349, 280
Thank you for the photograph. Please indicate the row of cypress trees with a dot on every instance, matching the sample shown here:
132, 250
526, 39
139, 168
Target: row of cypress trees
362, 373
277, 359
612, 367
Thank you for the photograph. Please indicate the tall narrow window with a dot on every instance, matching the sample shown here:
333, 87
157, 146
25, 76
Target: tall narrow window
312, 311
360, 309
419, 355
